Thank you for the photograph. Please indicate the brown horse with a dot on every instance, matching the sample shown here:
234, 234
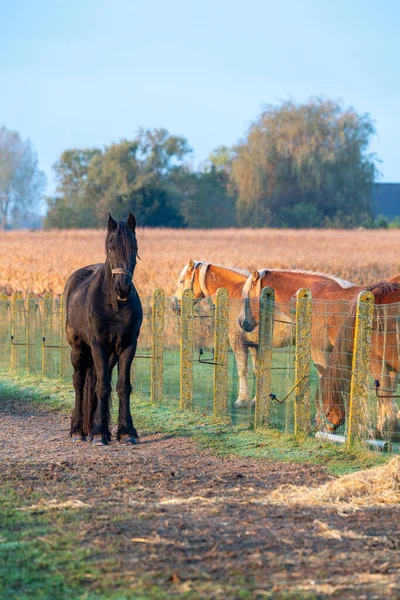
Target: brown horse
328, 290
204, 279
385, 358
330, 309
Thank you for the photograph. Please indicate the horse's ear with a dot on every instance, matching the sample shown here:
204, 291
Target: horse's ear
132, 222
190, 265
255, 275
111, 224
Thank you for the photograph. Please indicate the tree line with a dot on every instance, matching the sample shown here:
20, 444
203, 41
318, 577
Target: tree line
299, 165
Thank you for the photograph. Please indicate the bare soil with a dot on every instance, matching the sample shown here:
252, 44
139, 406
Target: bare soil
182, 516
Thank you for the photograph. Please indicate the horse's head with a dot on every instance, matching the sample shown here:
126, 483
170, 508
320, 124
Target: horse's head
188, 280
250, 315
121, 249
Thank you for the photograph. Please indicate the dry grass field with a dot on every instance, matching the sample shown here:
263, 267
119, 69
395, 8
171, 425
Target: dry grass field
41, 261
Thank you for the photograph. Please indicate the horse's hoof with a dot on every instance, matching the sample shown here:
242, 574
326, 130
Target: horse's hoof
241, 403
78, 437
100, 440
128, 439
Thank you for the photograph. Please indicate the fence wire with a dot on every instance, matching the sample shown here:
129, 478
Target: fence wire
353, 365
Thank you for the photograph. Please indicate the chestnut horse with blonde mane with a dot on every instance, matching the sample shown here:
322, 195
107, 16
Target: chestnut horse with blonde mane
335, 381
327, 292
204, 279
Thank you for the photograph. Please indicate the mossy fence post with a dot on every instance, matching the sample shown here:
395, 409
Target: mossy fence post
18, 333
47, 331
221, 347
186, 350
302, 401
157, 347
5, 331
357, 412
31, 333
264, 357
65, 350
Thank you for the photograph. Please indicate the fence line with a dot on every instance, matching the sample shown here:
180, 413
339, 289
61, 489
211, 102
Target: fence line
359, 371
32, 340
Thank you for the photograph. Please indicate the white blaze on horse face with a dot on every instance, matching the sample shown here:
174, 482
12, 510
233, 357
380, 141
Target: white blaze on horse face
184, 283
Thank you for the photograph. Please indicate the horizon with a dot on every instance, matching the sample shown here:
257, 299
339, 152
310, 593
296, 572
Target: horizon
90, 75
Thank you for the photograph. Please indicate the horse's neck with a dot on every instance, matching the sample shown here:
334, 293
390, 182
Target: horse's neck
286, 284
217, 277
106, 284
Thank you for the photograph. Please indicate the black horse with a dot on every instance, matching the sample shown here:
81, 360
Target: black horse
104, 315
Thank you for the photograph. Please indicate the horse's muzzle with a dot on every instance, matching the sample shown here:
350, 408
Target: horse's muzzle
245, 324
176, 306
123, 291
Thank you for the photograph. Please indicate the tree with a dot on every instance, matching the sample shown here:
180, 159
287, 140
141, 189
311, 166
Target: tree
305, 165
131, 175
21, 182
73, 205
205, 201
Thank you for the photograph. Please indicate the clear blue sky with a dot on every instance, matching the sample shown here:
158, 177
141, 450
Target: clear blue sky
78, 73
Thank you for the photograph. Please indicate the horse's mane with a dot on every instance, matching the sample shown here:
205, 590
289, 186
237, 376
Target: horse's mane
383, 288
199, 263
344, 284
336, 380
126, 240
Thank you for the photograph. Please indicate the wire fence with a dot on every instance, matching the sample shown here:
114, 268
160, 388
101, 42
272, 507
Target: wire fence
309, 366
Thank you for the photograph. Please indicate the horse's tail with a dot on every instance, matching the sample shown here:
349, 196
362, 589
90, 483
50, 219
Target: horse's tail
89, 398
335, 380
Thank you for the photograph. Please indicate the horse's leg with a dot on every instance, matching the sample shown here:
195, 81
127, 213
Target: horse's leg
126, 431
241, 352
80, 360
100, 428
253, 354
387, 418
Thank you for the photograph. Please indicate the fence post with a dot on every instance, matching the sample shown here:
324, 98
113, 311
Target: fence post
31, 333
18, 337
157, 346
360, 367
187, 349
4, 332
221, 345
47, 327
264, 356
65, 363
302, 409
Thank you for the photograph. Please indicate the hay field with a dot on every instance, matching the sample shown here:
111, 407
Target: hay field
41, 261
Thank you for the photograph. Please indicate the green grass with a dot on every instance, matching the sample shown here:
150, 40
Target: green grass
43, 557
39, 554
219, 436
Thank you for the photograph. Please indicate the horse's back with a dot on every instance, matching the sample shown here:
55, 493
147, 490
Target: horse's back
81, 278
77, 292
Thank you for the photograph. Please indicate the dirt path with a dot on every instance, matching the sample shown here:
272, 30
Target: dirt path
182, 515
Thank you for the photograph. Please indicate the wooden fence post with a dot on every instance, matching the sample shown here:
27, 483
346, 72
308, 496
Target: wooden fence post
157, 347
221, 346
5, 332
302, 404
47, 331
18, 332
65, 363
186, 351
357, 412
264, 356
31, 333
